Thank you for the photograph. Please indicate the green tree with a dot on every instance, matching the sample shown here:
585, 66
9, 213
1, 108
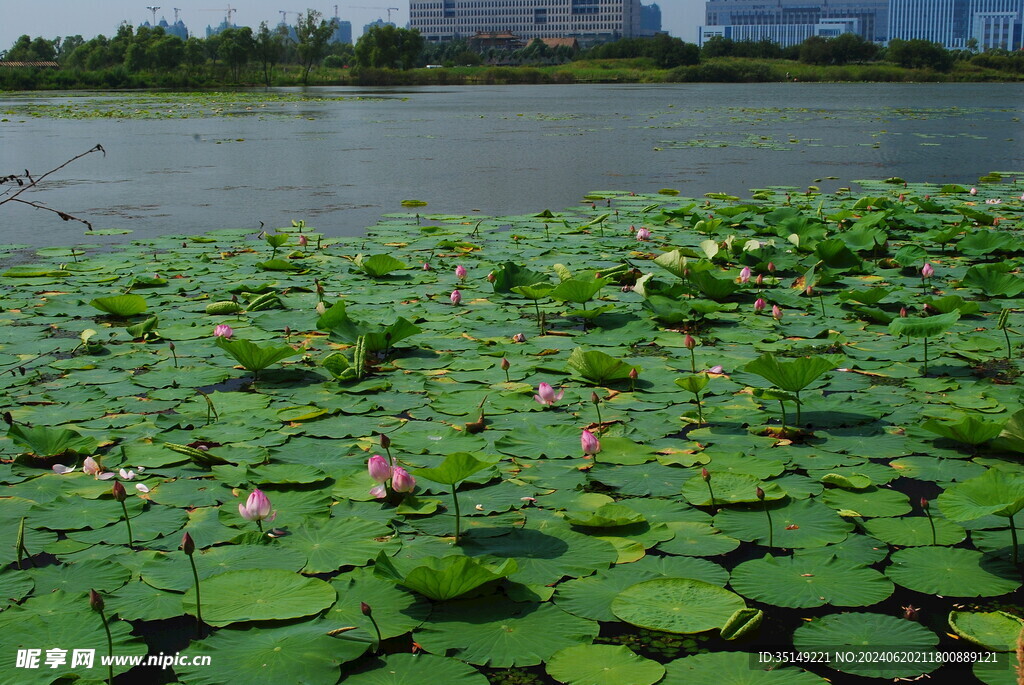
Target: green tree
236, 47
268, 48
166, 53
919, 54
388, 47
717, 46
312, 33
195, 53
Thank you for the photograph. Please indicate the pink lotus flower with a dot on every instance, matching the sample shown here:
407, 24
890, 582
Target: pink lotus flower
993, 201
223, 331
759, 305
589, 442
303, 240
518, 337
643, 234
426, 266
744, 274
974, 191
379, 491
380, 470
401, 481
546, 395
776, 312
771, 267
491, 277
460, 272
257, 507
927, 271
717, 369
455, 297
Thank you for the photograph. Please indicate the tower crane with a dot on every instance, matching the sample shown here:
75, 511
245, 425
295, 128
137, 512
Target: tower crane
228, 12
388, 9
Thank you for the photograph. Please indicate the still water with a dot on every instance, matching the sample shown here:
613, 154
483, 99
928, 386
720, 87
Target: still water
339, 164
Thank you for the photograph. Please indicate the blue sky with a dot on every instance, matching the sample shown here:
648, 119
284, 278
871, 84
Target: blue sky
51, 18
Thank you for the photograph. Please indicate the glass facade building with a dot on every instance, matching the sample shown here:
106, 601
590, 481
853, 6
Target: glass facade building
788, 22
586, 20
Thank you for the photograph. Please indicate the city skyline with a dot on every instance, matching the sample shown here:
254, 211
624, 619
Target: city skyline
52, 18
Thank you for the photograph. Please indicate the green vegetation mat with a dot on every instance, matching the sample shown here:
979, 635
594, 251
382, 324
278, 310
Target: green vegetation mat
648, 439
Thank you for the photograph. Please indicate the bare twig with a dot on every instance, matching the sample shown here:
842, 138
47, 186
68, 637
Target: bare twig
26, 181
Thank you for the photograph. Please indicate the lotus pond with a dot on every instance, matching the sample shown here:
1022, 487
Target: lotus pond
643, 440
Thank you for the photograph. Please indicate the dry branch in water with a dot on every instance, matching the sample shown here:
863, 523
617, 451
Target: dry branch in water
19, 183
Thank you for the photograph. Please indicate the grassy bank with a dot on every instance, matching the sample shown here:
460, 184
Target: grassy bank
638, 70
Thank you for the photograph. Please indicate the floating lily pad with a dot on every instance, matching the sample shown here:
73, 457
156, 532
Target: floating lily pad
602, 665
803, 582
676, 605
952, 572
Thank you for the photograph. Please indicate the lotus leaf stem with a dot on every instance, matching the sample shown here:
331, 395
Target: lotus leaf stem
455, 499
127, 522
771, 536
821, 301
711, 492
1013, 540
700, 411
926, 356
693, 361
380, 639
931, 523
199, 609
110, 647
782, 406
597, 408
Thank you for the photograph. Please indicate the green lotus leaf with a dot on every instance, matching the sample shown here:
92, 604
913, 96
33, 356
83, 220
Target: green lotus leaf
442, 578
795, 524
836, 255
927, 327
729, 488
795, 375
949, 303
536, 291
864, 635
500, 633
1012, 437
141, 330
848, 481
509, 275
717, 289
578, 291
409, 669
994, 492
455, 468
276, 239
121, 306
970, 429
676, 605
604, 516
344, 329
693, 383
994, 630
599, 367
869, 296
602, 665
44, 441
952, 572
279, 265
915, 531
259, 595
993, 281
734, 668
675, 262
253, 357
379, 264
804, 582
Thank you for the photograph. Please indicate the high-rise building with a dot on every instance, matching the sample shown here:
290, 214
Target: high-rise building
342, 31
650, 20
788, 22
585, 20
954, 23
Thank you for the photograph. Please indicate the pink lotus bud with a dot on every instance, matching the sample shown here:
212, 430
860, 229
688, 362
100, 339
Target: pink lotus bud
924, 504
927, 270
759, 305
590, 443
546, 395
771, 267
460, 272
760, 493
303, 240
455, 297
633, 374
365, 608
118, 492
380, 470
505, 365
705, 474
385, 440
223, 331
401, 481
643, 234
188, 545
426, 266
974, 191
379, 491
688, 342
744, 274
776, 312
256, 507
902, 197
95, 601
759, 280
491, 277
809, 290
903, 312
519, 337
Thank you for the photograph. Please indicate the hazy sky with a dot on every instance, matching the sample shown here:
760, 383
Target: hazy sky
51, 18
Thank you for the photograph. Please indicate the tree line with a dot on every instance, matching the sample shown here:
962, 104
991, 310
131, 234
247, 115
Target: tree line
241, 54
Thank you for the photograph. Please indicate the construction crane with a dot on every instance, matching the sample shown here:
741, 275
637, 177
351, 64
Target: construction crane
176, 11
388, 9
153, 9
228, 12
